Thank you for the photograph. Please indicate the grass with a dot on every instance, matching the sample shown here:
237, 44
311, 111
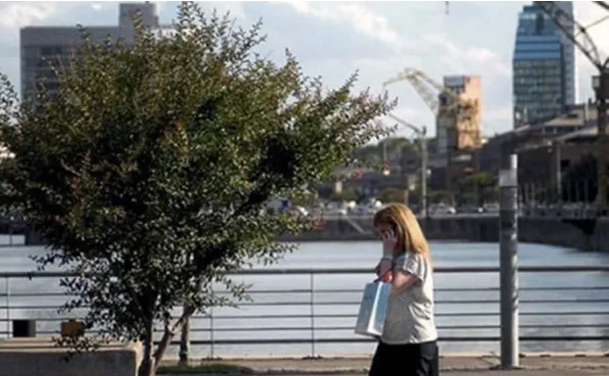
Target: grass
212, 368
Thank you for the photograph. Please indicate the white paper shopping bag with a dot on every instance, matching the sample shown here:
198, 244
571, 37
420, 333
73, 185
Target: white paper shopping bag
373, 309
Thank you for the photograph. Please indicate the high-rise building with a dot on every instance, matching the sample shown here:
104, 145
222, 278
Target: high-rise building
51, 46
569, 55
544, 73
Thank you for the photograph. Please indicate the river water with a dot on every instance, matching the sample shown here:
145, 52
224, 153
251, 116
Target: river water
588, 307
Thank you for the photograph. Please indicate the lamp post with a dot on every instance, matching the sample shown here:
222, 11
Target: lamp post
424, 174
600, 84
554, 148
425, 210
421, 134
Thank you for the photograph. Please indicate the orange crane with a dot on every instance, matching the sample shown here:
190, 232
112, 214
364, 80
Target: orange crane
457, 118
444, 103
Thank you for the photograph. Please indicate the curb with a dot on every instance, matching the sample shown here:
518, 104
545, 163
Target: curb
355, 371
331, 356
368, 356
550, 361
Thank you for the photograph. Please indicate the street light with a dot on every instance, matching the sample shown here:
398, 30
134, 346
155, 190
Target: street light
554, 146
386, 171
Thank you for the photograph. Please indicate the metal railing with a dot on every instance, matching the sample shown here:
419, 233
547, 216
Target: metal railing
320, 306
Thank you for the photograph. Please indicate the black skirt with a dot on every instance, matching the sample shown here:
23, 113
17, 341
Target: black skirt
417, 359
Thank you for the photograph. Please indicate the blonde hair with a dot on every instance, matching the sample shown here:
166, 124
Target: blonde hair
410, 235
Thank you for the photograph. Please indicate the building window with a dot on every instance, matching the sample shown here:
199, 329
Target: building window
51, 50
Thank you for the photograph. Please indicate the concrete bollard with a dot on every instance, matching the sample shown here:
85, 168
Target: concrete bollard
42, 357
24, 328
72, 328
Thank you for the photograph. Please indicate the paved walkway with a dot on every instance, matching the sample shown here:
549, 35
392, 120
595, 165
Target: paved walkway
489, 373
532, 365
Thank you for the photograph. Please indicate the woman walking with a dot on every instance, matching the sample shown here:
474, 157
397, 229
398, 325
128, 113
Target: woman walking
408, 345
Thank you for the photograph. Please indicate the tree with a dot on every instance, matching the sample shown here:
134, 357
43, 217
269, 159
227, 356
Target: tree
475, 187
393, 194
347, 194
372, 155
146, 172
438, 197
579, 182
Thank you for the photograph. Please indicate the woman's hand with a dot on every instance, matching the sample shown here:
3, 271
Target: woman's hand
384, 268
390, 243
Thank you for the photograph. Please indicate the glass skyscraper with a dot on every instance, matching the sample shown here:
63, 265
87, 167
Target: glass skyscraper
544, 74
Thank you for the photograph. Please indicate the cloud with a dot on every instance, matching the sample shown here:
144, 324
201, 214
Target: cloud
370, 23
333, 39
357, 16
235, 8
19, 14
381, 39
461, 57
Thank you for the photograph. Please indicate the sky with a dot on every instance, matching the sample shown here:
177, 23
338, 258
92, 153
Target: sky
334, 39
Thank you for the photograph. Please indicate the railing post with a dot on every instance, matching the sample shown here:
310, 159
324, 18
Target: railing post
508, 262
312, 302
7, 287
211, 328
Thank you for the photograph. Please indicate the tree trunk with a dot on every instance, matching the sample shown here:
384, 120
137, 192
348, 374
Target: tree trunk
185, 342
168, 335
147, 367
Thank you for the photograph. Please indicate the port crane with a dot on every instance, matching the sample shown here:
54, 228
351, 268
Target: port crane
457, 120
580, 37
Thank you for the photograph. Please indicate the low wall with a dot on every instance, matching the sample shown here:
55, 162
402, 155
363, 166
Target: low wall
479, 229
556, 232
551, 231
40, 357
